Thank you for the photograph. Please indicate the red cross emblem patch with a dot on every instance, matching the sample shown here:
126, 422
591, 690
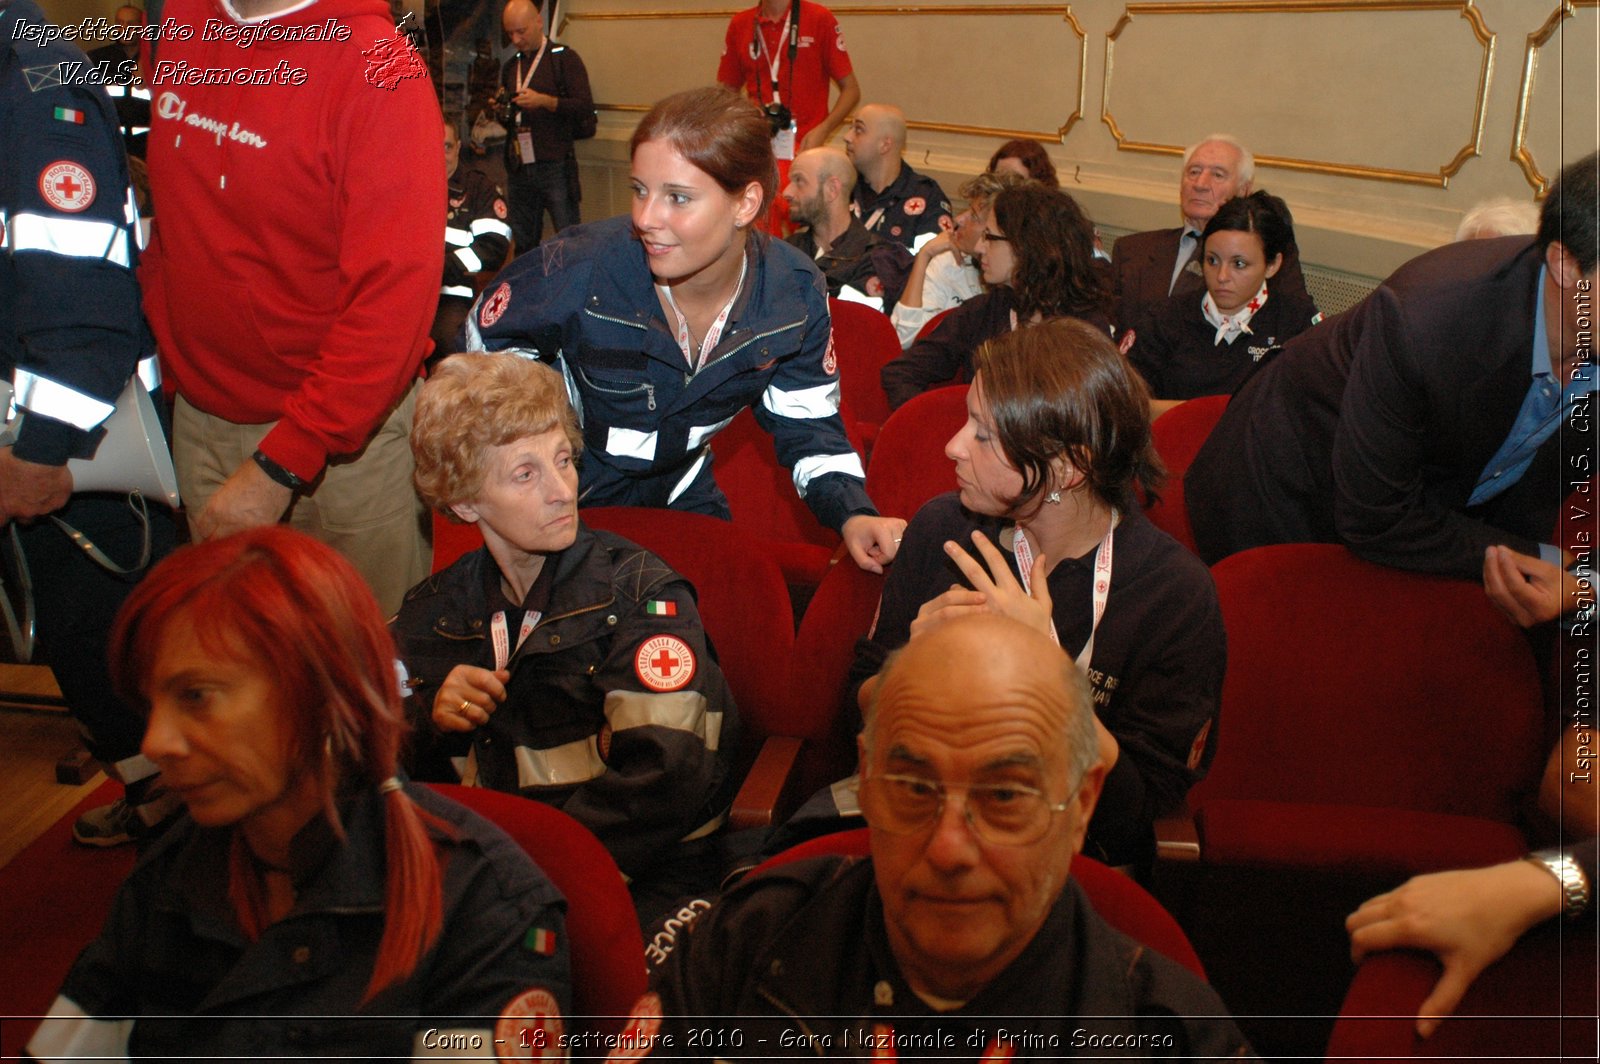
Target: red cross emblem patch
530, 1028
830, 358
916, 205
664, 663
67, 186
500, 208
495, 305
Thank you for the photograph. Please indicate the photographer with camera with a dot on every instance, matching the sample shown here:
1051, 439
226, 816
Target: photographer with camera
782, 54
545, 105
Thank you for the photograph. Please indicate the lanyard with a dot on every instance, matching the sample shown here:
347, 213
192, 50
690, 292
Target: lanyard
502, 639
776, 56
713, 334
522, 82
1100, 592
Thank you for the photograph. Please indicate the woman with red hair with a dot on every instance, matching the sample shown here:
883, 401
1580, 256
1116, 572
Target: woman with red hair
311, 902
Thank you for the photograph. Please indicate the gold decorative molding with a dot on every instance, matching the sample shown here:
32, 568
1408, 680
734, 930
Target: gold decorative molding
1530, 65
1058, 135
1439, 179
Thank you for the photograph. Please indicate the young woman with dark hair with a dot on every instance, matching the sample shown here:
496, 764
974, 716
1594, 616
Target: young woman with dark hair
308, 880
1055, 444
1187, 347
1036, 254
669, 323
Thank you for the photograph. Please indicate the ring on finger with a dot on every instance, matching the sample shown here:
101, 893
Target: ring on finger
466, 704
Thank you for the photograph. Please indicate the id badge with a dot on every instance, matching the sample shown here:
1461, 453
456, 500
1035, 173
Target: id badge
783, 143
525, 147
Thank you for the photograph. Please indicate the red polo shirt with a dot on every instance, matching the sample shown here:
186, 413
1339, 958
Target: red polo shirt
821, 58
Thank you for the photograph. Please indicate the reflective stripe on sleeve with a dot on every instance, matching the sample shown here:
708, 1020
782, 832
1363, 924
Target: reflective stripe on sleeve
699, 434
458, 1043
688, 478
559, 766
481, 226
469, 258
806, 469
462, 290
149, 371
457, 238
821, 401
80, 238
41, 395
683, 711
629, 443
69, 1033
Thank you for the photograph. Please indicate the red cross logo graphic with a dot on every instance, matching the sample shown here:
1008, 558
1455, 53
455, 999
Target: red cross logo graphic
66, 186
664, 663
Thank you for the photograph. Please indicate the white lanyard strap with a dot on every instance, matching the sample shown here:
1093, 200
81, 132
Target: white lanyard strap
873, 219
774, 56
1100, 591
713, 334
501, 637
522, 81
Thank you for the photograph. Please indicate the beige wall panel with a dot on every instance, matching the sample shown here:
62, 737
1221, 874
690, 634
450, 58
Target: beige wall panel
634, 62
1560, 69
1301, 85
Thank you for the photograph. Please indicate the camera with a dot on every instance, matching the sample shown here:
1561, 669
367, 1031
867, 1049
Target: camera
778, 117
505, 111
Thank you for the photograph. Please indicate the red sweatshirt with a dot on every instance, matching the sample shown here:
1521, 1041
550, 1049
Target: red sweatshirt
295, 264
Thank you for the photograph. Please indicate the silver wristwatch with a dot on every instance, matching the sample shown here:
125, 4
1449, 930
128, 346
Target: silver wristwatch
1574, 884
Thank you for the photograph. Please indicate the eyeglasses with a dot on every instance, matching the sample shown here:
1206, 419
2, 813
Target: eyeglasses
1004, 814
994, 238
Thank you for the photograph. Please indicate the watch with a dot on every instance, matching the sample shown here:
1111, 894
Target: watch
1574, 884
277, 473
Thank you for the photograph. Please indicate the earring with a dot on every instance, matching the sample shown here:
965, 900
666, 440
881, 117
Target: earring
1054, 498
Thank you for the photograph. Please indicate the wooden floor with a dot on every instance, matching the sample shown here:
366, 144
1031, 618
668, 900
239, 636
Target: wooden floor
30, 798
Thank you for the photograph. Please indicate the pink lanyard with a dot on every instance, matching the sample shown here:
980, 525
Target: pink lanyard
501, 636
713, 334
522, 82
1101, 590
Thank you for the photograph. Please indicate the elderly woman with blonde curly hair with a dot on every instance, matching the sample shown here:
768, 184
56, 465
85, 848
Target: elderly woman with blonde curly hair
528, 658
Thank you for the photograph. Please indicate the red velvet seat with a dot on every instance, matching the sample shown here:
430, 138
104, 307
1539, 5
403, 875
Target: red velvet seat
932, 324
744, 605
908, 465
607, 952
1121, 902
1178, 435
1537, 1002
764, 503
864, 341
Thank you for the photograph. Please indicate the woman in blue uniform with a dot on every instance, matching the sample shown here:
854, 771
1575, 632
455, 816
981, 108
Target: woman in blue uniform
669, 323
1185, 347
311, 903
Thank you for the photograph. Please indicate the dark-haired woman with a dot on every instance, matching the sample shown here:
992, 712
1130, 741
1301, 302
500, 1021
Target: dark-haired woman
669, 323
1056, 438
1025, 158
1036, 254
311, 903
1189, 347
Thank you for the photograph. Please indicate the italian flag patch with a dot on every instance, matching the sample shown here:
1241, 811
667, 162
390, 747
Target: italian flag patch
67, 114
540, 941
661, 608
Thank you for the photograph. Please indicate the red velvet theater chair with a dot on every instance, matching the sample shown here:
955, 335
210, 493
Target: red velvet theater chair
1178, 436
1375, 723
908, 465
864, 341
608, 972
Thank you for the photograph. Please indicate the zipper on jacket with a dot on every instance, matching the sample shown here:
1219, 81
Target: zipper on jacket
813, 1040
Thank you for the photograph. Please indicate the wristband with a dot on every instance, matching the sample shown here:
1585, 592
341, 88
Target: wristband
1574, 884
276, 473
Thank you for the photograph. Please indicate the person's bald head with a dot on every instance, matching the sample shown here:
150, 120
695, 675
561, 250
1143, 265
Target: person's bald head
523, 25
979, 773
128, 15
819, 187
876, 139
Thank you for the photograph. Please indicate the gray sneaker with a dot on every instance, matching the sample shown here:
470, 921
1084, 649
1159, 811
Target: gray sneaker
116, 824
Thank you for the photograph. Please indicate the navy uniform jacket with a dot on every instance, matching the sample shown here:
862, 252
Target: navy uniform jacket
475, 231
586, 301
913, 206
640, 767
1142, 268
1373, 428
70, 327
803, 950
1175, 348
172, 960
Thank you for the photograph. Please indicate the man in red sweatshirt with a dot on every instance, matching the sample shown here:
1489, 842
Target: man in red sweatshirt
295, 268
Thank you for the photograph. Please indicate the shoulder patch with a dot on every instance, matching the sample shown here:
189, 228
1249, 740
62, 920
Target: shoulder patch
495, 305
499, 208
915, 205
664, 663
830, 357
66, 186
638, 1037
530, 1028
